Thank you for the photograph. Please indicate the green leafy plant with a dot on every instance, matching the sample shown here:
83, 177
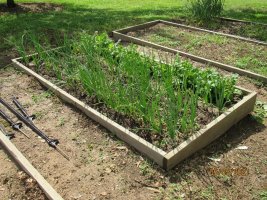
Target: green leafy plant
260, 111
165, 98
206, 10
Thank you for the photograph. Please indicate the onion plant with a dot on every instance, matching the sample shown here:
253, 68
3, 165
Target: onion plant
164, 97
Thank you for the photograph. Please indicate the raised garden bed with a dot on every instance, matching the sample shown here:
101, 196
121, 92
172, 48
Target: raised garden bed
25, 165
229, 52
167, 112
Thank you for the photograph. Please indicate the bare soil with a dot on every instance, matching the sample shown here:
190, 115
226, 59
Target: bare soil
99, 163
250, 30
103, 167
14, 183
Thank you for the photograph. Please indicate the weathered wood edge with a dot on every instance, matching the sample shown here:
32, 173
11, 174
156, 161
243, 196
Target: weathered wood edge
152, 23
127, 136
213, 32
138, 27
123, 37
241, 21
212, 131
49, 191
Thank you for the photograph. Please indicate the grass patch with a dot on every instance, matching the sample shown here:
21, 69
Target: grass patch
41, 97
107, 15
252, 63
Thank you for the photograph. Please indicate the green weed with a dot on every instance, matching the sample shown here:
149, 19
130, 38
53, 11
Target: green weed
260, 111
252, 63
62, 121
208, 193
41, 97
262, 195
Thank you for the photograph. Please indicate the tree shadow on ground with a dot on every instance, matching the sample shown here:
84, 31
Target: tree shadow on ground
249, 14
70, 20
75, 19
30, 8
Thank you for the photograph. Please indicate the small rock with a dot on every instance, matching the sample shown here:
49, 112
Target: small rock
121, 148
182, 195
29, 180
242, 148
31, 64
153, 189
215, 159
108, 170
103, 193
77, 196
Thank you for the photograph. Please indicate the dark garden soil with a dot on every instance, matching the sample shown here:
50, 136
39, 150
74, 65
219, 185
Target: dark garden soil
218, 48
30, 8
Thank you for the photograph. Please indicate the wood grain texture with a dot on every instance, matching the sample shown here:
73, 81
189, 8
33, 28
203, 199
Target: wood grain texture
28, 168
138, 27
241, 21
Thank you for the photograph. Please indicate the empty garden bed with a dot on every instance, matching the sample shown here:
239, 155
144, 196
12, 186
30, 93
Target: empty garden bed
229, 52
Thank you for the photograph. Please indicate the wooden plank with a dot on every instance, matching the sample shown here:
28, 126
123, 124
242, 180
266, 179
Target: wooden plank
28, 168
213, 130
214, 32
241, 21
139, 143
138, 27
120, 36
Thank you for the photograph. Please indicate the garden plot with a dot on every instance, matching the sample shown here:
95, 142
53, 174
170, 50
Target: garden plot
222, 49
219, 48
167, 57
232, 53
166, 111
